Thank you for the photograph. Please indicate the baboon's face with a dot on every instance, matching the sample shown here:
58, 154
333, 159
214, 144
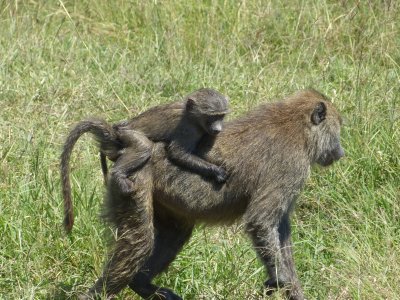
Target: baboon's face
213, 124
328, 122
332, 154
208, 113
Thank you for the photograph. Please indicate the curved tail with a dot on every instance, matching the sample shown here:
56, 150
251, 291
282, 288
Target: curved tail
105, 134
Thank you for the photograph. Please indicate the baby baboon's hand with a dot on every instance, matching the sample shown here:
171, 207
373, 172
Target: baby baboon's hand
220, 175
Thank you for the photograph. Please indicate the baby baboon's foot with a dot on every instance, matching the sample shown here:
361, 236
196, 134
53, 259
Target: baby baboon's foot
125, 184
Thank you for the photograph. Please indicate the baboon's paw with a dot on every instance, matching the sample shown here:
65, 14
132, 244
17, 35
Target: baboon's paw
166, 294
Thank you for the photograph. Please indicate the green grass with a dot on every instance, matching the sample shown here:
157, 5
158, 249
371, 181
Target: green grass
61, 61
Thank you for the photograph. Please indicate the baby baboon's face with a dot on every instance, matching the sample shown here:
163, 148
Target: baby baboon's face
213, 124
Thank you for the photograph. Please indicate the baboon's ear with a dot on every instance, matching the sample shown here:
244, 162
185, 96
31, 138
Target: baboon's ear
190, 103
319, 113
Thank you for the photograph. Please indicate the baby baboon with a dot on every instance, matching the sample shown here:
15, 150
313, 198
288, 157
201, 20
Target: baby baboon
268, 154
179, 124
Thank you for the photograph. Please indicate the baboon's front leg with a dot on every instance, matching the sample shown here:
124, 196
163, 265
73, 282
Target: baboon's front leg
271, 239
296, 291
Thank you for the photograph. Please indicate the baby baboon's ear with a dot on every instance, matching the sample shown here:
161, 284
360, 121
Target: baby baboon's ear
319, 113
190, 103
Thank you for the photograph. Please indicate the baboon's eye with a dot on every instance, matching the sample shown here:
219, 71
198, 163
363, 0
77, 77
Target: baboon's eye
215, 118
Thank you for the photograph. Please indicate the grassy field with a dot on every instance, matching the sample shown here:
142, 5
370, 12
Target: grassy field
61, 61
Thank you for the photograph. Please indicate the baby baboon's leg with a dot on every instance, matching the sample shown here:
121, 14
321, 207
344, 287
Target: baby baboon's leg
136, 153
126, 164
170, 236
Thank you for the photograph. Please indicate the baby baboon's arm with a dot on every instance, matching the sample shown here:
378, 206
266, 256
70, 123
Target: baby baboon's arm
182, 157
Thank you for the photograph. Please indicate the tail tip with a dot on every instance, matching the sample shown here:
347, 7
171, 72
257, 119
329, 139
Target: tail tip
68, 224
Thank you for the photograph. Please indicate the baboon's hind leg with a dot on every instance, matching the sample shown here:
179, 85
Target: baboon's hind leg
132, 216
170, 236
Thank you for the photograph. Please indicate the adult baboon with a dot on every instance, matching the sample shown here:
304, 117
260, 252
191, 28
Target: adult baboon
268, 154
180, 125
